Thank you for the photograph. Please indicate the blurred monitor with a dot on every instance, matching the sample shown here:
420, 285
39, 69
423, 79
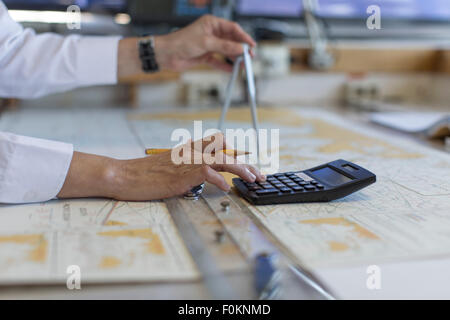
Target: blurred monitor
269, 8
44, 4
390, 9
85, 5
433, 10
174, 12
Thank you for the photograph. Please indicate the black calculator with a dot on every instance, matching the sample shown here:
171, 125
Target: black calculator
323, 183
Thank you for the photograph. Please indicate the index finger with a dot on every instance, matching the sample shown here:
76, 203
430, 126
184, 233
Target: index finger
233, 31
211, 143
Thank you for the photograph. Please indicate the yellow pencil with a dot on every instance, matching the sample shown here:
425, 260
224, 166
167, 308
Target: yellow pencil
153, 151
230, 152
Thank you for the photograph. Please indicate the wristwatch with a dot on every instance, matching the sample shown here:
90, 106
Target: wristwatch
147, 55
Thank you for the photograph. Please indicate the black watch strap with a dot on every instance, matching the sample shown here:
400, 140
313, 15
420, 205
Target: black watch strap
147, 55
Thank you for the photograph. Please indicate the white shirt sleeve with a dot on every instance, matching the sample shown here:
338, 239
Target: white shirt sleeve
33, 65
31, 169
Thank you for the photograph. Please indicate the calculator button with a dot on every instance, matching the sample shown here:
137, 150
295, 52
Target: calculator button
266, 192
297, 188
291, 184
309, 187
314, 182
303, 183
290, 175
268, 186
278, 175
278, 185
320, 186
285, 190
254, 188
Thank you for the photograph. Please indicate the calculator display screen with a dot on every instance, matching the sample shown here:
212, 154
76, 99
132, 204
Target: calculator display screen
330, 176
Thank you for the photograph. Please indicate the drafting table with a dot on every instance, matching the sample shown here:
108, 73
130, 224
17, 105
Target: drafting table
305, 141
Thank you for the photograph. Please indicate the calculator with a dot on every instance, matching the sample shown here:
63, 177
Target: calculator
323, 183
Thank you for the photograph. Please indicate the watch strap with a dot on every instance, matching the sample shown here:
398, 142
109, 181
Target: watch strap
147, 55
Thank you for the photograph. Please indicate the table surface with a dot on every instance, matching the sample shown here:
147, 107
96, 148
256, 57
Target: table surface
57, 124
242, 280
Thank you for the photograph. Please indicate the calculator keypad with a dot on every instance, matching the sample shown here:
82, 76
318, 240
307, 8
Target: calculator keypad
266, 191
303, 187
283, 183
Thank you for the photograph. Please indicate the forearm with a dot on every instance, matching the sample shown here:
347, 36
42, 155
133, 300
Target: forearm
128, 63
147, 178
90, 176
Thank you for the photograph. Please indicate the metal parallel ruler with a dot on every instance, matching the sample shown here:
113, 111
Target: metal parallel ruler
235, 219
253, 238
213, 277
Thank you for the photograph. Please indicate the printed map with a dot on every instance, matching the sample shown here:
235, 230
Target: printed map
108, 240
404, 215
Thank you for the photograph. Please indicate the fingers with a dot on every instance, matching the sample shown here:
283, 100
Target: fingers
259, 176
206, 150
212, 176
219, 64
240, 170
228, 48
232, 31
215, 62
212, 143
200, 174
245, 171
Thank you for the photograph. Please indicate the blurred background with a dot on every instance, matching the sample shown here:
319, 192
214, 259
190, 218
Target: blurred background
310, 53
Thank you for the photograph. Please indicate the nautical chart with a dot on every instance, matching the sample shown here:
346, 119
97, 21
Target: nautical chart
404, 215
108, 240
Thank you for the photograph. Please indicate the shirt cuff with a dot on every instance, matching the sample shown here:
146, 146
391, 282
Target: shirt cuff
31, 169
97, 60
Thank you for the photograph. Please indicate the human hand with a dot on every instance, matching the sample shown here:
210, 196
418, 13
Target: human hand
199, 42
158, 176
153, 177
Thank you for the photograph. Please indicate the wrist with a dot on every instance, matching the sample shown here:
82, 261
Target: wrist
112, 178
91, 175
162, 52
147, 55
128, 63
